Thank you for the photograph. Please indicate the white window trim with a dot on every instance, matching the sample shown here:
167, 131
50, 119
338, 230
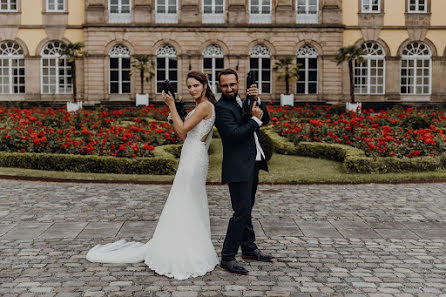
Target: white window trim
119, 18
166, 18
307, 18
213, 18
306, 82
166, 57
57, 58
120, 81
417, 6
56, 5
259, 79
10, 75
9, 7
370, 10
415, 58
260, 18
367, 62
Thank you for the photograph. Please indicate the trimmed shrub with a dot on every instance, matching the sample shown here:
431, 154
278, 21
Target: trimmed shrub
281, 144
91, 164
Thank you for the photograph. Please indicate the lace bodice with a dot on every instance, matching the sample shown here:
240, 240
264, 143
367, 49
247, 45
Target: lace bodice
203, 128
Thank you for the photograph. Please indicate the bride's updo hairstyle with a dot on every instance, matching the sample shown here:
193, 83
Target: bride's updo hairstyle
203, 79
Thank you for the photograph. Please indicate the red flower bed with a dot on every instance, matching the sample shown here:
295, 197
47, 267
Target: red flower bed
88, 132
397, 132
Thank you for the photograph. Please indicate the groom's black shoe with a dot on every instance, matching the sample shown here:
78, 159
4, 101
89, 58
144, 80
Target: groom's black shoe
257, 256
233, 266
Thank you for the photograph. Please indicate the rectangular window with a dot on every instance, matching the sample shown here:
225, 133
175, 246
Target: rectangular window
260, 12
166, 68
213, 11
307, 11
120, 75
55, 5
119, 11
166, 12
417, 6
371, 6
212, 67
307, 83
8, 5
262, 71
416, 76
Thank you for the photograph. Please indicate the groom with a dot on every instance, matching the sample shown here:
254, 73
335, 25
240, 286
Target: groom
243, 156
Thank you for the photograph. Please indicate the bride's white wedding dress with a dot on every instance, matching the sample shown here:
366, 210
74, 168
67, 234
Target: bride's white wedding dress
181, 245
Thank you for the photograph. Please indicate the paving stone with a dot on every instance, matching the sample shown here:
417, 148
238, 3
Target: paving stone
328, 240
101, 229
26, 231
63, 230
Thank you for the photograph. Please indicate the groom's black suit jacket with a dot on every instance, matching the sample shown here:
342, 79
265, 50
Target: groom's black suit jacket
237, 136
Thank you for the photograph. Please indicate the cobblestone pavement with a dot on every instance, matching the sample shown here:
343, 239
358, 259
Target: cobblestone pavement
328, 240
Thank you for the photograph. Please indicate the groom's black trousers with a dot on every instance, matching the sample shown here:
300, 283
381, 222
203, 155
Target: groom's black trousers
240, 229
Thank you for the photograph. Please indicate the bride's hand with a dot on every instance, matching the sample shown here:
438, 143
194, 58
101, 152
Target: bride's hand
168, 98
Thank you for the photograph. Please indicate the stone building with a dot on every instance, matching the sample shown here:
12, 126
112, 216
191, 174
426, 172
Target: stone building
405, 42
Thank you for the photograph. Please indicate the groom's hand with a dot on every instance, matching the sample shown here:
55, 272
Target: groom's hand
257, 111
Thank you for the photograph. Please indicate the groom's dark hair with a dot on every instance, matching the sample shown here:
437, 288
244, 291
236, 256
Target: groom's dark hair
226, 72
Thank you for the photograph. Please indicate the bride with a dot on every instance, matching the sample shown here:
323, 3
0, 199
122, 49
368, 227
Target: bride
181, 245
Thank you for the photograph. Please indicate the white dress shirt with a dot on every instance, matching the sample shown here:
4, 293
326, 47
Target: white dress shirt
260, 152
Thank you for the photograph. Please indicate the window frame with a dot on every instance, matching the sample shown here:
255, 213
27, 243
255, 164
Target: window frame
213, 17
166, 57
120, 70
56, 2
367, 62
370, 3
57, 65
415, 68
8, 4
119, 17
19, 58
307, 18
214, 77
166, 17
307, 70
260, 57
417, 6
260, 18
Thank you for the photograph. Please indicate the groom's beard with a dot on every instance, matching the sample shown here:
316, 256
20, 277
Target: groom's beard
230, 97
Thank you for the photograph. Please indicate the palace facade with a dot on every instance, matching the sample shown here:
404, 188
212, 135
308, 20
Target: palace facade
404, 40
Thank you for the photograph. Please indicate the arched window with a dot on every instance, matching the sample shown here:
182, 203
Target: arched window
260, 63
119, 70
166, 67
55, 72
260, 11
369, 77
12, 68
416, 69
213, 64
308, 70
307, 11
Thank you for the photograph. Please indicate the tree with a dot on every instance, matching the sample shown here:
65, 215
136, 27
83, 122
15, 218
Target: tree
145, 66
72, 52
287, 71
350, 53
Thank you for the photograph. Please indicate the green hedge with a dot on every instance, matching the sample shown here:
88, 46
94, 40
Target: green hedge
354, 159
91, 164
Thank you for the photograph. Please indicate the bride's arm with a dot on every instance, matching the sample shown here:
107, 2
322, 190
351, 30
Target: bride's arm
201, 112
